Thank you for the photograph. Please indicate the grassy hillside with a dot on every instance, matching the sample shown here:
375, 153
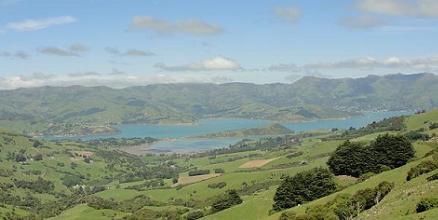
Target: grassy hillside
111, 184
81, 110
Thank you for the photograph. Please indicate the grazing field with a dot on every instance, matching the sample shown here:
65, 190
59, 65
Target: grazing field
256, 163
185, 180
131, 186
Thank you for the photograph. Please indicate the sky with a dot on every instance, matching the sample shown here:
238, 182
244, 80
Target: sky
120, 43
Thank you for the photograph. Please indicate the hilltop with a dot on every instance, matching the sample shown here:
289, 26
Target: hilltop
81, 110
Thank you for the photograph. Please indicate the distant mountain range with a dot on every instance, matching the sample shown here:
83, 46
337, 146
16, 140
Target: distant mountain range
48, 109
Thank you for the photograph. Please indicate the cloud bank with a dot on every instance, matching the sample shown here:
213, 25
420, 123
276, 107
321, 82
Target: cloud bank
192, 27
412, 8
39, 24
214, 64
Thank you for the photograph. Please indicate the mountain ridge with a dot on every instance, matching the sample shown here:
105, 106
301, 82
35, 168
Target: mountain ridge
50, 109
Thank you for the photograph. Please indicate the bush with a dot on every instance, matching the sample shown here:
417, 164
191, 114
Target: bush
40, 185
303, 187
37, 144
71, 180
367, 198
229, 199
219, 170
422, 168
427, 204
386, 152
195, 215
415, 135
433, 126
198, 172
433, 177
218, 185
37, 157
20, 158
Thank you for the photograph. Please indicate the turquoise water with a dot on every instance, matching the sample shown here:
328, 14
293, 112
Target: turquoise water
175, 135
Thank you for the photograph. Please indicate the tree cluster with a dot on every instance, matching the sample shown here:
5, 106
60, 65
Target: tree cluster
303, 187
344, 206
386, 152
225, 201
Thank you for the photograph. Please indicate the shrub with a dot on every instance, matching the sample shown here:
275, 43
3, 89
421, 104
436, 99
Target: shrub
198, 172
365, 176
422, 168
20, 157
427, 204
367, 198
229, 199
219, 170
303, 187
218, 185
71, 180
100, 203
37, 157
433, 126
415, 135
288, 215
37, 144
433, 177
195, 215
40, 185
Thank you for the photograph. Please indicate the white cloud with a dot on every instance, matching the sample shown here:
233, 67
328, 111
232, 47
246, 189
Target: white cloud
213, 64
34, 25
17, 54
129, 53
100, 79
415, 8
74, 50
193, 27
362, 22
367, 63
289, 14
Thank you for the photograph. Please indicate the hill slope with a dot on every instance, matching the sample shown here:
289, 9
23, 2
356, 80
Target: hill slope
50, 109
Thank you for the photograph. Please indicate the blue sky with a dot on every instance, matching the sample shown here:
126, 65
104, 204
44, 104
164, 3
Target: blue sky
133, 42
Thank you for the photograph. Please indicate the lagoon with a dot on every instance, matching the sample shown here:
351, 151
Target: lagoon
176, 137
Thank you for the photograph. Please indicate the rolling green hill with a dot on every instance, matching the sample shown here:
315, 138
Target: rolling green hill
69, 180
81, 110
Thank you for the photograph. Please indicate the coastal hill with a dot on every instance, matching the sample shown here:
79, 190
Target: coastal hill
273, 129
77, 109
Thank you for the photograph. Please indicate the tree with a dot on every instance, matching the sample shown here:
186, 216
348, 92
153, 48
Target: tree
386, 152
392, 150
351, 158
303, 187
229, 199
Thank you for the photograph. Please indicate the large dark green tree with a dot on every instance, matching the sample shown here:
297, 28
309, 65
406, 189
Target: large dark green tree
392, 150
351, 158
303, 187
355, 159
230, 198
